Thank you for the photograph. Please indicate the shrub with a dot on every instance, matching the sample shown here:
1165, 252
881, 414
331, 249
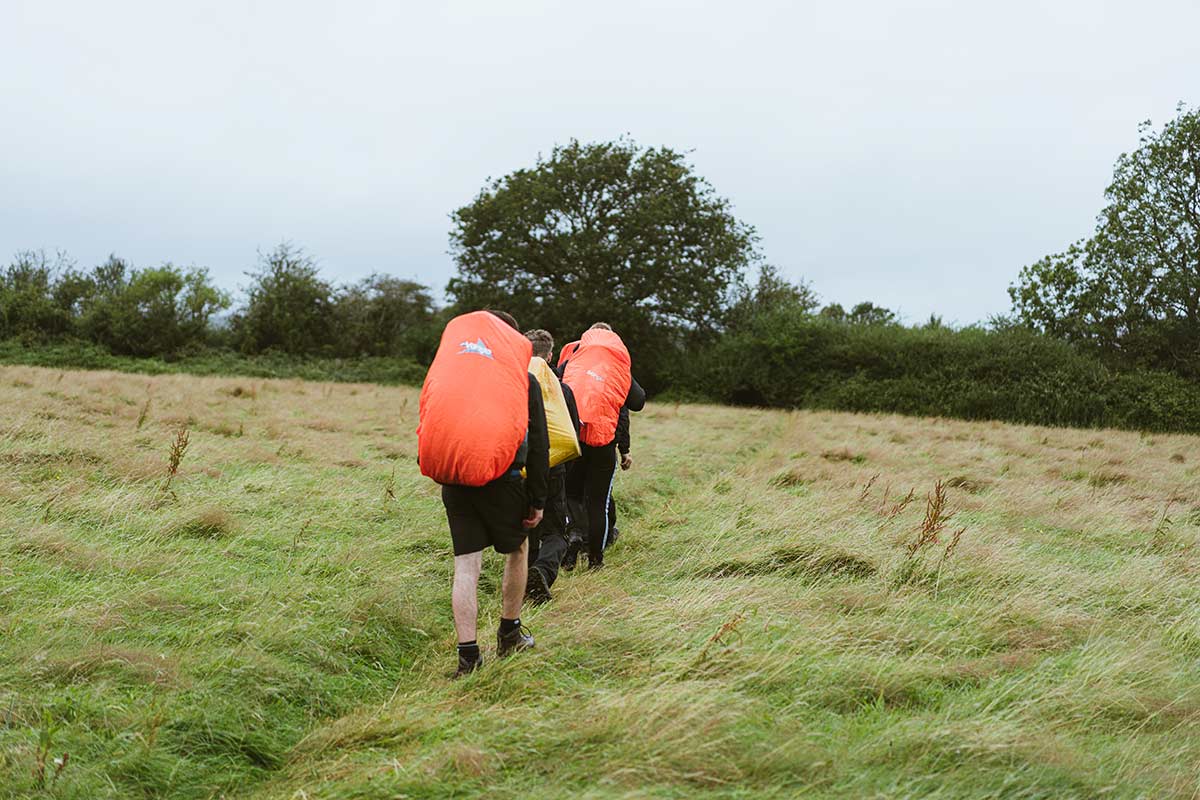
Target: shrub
36, 297
384, 316
155, 311
793, 359
290, 308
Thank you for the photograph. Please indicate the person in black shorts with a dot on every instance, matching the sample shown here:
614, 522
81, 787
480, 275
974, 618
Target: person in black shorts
498, 515
548, 541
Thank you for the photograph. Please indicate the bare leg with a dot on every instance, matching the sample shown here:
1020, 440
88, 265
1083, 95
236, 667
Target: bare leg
516, 569
464, 598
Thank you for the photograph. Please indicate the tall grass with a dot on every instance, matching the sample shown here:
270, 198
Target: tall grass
282, 629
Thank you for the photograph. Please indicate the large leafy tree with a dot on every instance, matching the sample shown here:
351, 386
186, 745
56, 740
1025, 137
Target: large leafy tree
609, 231
1132, 290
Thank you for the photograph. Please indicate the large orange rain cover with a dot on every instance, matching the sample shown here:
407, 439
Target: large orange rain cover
599, 375
475, 401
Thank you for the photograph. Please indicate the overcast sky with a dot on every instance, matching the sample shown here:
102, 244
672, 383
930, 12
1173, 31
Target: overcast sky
917, 154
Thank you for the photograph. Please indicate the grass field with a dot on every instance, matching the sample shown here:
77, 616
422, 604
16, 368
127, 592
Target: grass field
275, 623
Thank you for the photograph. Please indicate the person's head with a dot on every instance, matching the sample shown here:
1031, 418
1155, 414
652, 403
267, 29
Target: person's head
507, 317
543, 343
601, 326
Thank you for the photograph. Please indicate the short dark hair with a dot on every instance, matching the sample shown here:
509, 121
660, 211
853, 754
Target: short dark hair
601, 326
507, 317
543, 343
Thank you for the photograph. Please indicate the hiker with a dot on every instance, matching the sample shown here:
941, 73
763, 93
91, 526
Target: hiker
599, 375
576, 539
548, 541
482, 422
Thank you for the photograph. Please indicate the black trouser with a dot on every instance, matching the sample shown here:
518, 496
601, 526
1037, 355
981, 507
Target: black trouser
591, 478
548, 541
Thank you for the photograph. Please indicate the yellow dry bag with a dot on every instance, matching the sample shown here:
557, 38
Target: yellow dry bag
564, 445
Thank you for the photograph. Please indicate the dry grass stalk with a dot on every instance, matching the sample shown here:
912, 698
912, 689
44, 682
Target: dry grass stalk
897, 508
145, 412
937, 516
933, 526
299, 535
389, 491
866, 490
178, 448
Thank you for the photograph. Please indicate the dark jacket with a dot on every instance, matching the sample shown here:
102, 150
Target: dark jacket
634, 401
572, 408
534, 456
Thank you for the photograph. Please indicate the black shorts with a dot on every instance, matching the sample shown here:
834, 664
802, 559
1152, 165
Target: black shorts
486, 516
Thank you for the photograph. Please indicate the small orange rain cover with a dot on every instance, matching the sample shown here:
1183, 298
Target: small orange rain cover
599, 375
475, 401
567, 351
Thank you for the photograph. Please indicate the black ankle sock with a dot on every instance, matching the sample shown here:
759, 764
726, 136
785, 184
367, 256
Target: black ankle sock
468, 650
509, 625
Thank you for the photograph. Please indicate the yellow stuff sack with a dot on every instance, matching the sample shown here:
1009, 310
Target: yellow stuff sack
564, 445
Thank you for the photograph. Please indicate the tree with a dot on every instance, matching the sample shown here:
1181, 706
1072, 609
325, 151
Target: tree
289, 307
1132, 291
144, 312
772, 293
607, 231
865, 313
384, 316
30, 305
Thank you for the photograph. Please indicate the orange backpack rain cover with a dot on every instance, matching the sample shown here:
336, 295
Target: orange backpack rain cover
599, 375
475, 401
567, 351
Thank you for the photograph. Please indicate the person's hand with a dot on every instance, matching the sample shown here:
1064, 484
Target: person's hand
626, 461
535, 517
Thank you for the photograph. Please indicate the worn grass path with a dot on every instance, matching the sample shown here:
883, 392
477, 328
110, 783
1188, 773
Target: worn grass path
276, 624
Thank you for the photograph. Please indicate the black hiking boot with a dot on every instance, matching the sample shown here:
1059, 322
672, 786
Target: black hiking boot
613, 534
537, 588
570, 557
518, 639
467, 665
595, 563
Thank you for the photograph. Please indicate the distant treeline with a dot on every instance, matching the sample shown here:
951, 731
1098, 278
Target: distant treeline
168, 312
777, 347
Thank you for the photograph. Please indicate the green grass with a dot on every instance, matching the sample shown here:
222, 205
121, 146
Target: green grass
278, 624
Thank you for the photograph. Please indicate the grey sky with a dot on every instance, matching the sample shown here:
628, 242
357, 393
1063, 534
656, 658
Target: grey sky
913, 153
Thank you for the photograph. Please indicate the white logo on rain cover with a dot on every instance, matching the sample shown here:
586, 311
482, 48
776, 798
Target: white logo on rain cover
594, 376
478, 347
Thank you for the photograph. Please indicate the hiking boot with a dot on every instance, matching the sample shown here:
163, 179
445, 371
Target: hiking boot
537, 588
571, 556
518, 639
595, 564
613, 533
467, 665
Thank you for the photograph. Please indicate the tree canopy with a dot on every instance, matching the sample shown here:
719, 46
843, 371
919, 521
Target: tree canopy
1132, 290
608, 231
